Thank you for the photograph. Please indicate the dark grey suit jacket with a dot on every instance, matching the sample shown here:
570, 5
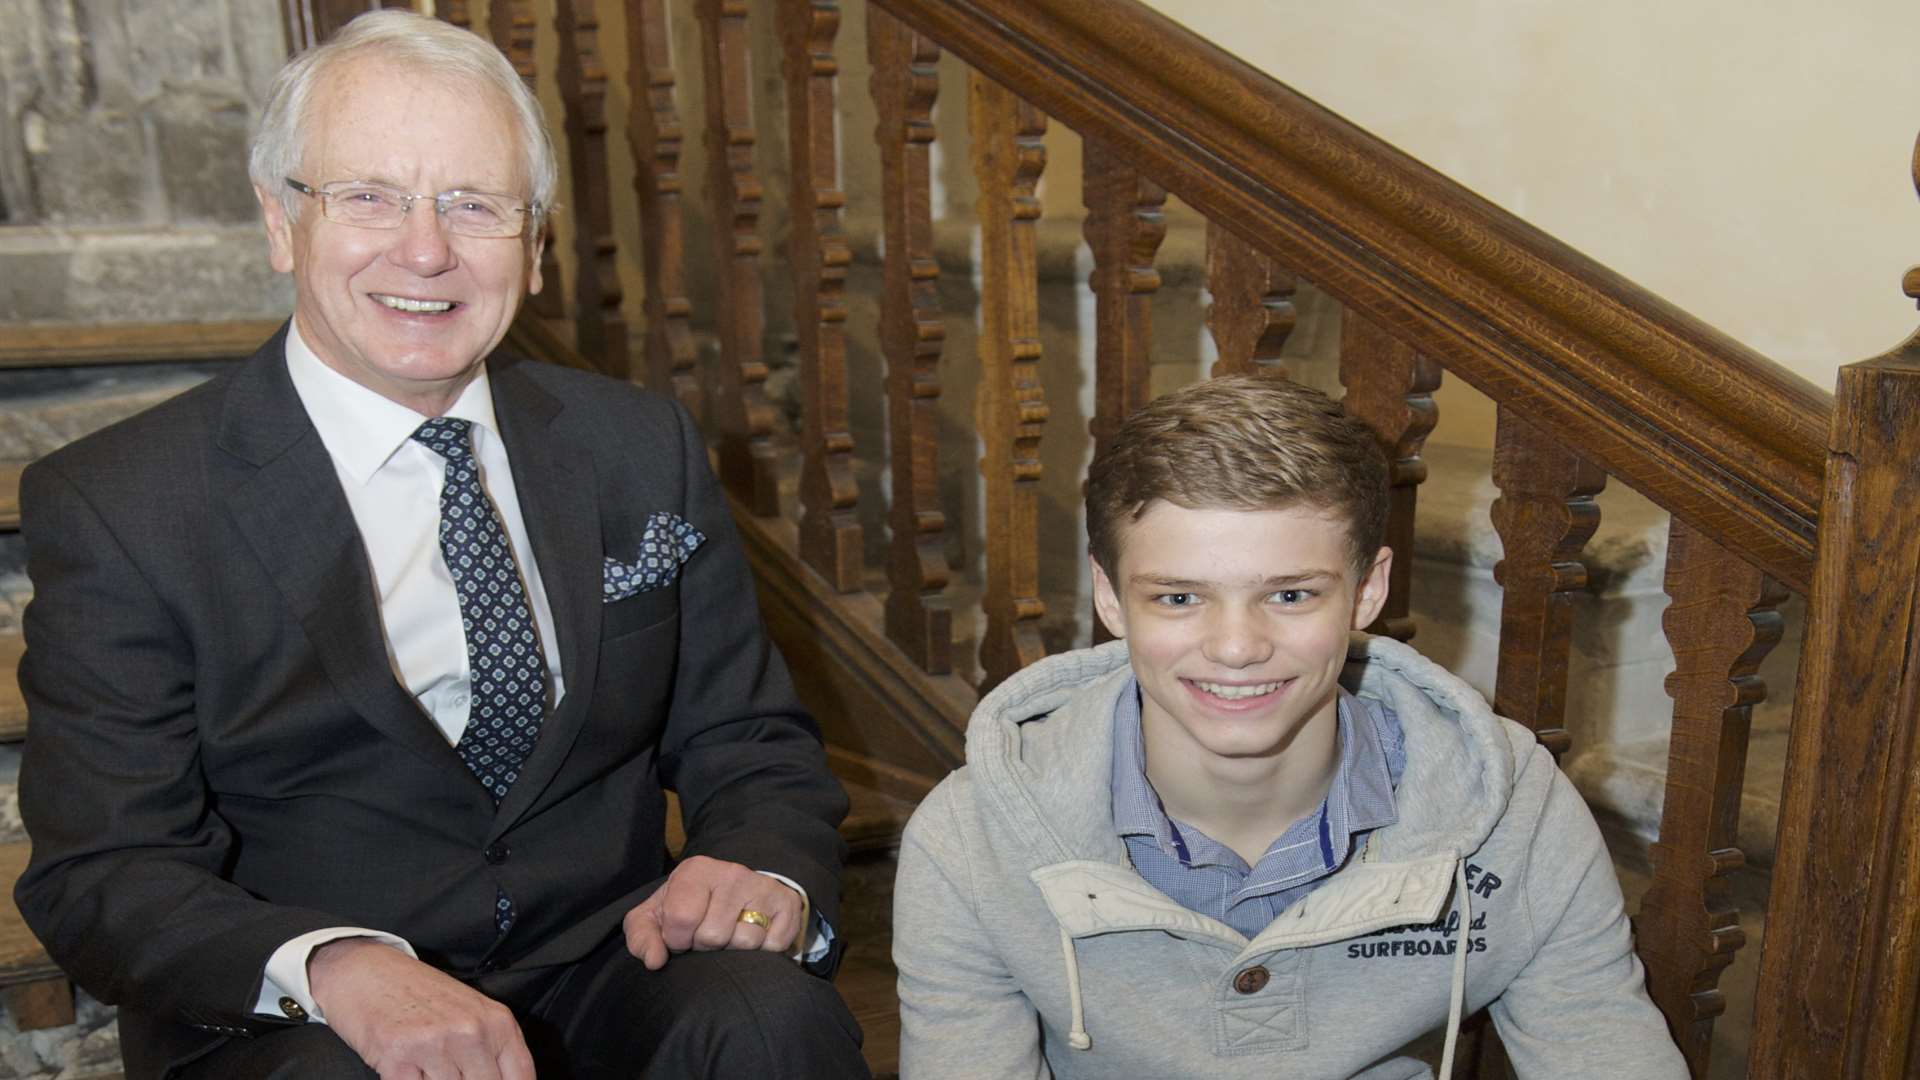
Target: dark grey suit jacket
220, 757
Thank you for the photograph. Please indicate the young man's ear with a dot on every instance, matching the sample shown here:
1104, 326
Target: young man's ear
1372, 593
279, 230
1106, 601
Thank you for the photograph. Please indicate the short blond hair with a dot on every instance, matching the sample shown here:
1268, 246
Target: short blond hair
1240, 442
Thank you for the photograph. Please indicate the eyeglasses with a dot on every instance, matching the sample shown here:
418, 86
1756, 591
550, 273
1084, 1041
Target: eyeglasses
366, 205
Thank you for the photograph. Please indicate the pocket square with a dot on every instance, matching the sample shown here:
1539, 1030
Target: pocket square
666, 541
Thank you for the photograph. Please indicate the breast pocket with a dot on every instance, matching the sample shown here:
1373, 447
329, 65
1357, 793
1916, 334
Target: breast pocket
640, 611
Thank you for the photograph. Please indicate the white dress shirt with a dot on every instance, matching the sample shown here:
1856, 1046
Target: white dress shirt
394, 481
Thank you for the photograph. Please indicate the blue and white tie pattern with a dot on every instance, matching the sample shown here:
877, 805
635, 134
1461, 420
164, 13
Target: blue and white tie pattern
506, 667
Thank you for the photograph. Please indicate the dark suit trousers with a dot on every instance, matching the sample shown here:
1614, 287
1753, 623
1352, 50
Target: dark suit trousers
706, 1014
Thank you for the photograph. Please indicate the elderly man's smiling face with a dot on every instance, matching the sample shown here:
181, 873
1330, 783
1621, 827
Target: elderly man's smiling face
409, 312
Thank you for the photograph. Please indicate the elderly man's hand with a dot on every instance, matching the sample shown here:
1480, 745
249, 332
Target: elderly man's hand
699, 908
407, 1020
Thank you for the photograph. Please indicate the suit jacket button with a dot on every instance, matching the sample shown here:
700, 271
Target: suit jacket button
496, 854
292, 1009
1252, 980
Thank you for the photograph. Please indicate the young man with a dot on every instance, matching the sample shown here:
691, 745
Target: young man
1244, 840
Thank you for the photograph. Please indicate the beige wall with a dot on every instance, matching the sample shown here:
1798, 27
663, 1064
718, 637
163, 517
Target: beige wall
1747, 161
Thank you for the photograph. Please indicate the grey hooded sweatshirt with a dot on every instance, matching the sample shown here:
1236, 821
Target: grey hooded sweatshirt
1028, 947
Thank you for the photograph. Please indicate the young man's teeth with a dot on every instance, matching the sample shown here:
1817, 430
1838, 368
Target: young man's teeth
401, 303
1232, 693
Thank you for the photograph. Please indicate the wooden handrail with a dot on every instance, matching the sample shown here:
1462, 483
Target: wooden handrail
1712, 431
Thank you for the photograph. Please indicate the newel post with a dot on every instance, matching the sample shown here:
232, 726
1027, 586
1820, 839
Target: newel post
1840, 969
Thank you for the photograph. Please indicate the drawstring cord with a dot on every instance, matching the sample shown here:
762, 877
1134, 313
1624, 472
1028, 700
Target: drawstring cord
1459, 990
1077, 1037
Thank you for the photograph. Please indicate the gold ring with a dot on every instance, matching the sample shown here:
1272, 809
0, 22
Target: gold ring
748, 915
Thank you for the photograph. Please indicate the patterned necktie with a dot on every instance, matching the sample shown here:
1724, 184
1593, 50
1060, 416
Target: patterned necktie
507, 669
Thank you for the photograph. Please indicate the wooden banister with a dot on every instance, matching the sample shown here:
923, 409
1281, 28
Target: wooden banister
1594, 379
1707, 428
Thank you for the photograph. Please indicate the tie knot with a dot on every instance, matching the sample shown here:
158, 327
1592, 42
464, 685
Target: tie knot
446, 436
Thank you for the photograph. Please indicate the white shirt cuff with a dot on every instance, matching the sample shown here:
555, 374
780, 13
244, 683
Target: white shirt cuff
819, 936
286, 975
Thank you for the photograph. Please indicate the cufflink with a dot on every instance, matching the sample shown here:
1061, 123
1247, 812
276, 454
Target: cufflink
292, 1009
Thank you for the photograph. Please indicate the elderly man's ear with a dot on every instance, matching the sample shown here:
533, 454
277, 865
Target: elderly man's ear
535, 249
279, 230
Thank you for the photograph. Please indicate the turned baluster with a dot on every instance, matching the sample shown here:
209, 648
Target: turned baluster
829, 524
747, 461
1252, 312
1390, 388
1722, 623
510, 23
598, 326
454, 12
905, 83
1008, 158
1124, 228
654, 133
1545, 514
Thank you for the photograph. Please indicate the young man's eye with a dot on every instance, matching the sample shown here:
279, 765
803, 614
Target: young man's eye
1176, 600
1293, 597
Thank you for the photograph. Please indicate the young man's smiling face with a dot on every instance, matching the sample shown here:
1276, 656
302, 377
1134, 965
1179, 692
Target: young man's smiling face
1237, 622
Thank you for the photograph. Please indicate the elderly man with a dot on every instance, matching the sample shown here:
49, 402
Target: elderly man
355, 675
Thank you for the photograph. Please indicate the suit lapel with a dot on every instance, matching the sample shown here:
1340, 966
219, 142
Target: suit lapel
559, 501
286, 500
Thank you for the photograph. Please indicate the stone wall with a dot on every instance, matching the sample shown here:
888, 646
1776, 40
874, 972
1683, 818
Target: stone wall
123, 133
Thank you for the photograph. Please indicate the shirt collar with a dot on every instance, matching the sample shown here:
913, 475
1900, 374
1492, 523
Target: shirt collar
1136, 807
361, 429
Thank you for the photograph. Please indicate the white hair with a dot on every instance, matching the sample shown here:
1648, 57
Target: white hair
440, 50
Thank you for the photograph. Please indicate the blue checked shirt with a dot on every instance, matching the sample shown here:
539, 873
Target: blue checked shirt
1203, 875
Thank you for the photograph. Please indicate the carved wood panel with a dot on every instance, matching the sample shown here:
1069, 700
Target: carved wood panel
654, 133
582, 77
1722, 623
733, 200
1545, 514
1008, 158
1390, 388
1252, 312
905, 84
830, 540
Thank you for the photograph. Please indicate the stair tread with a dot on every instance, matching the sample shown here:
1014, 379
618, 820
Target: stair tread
13, 707
22, 960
